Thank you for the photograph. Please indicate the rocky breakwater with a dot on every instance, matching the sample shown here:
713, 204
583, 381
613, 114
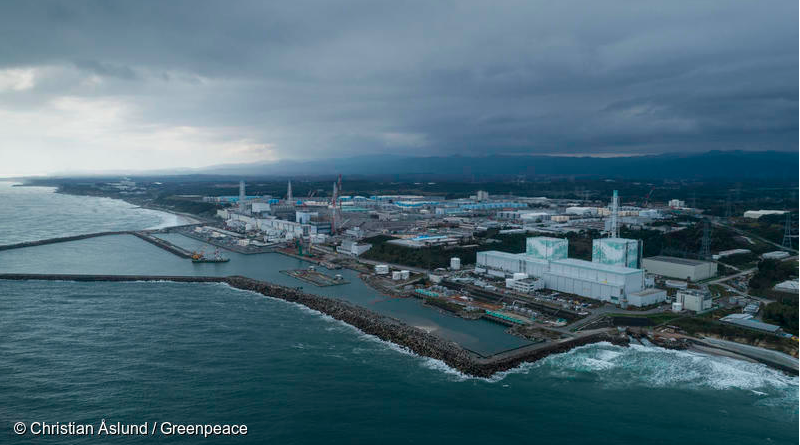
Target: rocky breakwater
417, 340
369, 322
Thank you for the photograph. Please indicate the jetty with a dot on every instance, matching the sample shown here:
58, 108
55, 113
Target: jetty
384, 327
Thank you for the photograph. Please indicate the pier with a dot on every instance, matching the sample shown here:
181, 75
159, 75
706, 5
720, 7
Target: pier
384, 327
164, 244
61, 239
314, 277
145, 235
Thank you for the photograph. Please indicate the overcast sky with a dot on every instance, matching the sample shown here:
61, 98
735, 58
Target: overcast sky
138, 85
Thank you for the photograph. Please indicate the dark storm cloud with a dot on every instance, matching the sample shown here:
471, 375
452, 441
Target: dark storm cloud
350, 77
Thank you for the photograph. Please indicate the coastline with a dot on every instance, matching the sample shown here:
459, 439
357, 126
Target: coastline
177, 218
383, 327
413, 338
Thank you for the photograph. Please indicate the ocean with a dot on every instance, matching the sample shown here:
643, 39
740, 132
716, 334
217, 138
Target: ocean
209, 354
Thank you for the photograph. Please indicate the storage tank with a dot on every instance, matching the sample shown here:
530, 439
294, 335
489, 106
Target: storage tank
396, 275
381, 269
404, 274
455, 263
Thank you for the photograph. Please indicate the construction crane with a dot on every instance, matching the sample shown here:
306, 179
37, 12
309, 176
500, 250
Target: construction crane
647, 198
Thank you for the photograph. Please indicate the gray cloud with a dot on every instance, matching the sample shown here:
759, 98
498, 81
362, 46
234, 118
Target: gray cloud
310, 79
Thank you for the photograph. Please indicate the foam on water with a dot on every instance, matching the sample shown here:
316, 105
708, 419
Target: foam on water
652, 366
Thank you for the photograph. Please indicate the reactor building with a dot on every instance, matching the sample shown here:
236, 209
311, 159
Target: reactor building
608, 277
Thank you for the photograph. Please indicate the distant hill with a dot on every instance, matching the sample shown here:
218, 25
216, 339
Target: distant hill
709, 165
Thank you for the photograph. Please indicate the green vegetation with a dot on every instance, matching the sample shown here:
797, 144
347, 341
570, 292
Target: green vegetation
770, 227
772, 272
187, 206
783, 311
429, 258
707, 326
742, 260
686, 242
782, 314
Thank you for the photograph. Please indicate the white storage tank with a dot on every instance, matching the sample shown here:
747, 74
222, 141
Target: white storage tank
381, 269
396, 275
455, 263
404, 274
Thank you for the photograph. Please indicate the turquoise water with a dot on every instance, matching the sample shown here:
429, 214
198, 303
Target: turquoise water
207, 353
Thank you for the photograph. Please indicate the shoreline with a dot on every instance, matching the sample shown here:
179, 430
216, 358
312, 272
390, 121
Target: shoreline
399, 333
381, 326
180, 218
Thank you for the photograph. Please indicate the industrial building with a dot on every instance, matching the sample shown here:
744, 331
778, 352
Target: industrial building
747, 321
617, 252
593, 280
695, 301
676, 203
776, 255
525, 285
755, 214
351, 247
546, 259
546, 248
502, 263
683, 268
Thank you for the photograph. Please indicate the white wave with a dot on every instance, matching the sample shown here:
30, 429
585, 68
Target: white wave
648, 366
652, 366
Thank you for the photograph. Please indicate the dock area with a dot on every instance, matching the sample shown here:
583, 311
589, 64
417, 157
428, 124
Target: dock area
164, 244
314, 277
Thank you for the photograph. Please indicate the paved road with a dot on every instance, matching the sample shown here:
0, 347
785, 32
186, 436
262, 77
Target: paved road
755, 352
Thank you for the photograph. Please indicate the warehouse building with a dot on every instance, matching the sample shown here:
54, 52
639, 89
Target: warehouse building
755, 214
683, 268
747, 321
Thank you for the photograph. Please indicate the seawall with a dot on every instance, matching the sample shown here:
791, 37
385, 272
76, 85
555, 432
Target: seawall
384, 327
61, 239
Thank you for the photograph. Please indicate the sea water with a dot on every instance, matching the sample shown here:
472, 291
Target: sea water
193, 353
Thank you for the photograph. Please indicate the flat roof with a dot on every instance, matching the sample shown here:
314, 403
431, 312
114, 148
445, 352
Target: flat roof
597, 266
750, 323
676, 260
515, 256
